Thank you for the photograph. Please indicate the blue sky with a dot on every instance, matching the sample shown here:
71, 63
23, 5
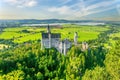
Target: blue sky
60, 9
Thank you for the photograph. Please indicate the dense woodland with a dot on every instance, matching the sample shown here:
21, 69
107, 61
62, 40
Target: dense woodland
28, 62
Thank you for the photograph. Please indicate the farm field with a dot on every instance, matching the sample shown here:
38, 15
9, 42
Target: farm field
24, 34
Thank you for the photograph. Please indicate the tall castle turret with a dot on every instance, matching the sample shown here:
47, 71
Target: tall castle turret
65, 43
75, 38
41, 43
49, 36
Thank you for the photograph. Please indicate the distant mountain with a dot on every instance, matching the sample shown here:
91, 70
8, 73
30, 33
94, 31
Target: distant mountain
9, 23
35, 21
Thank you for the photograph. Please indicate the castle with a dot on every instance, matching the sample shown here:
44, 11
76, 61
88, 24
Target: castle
50, 40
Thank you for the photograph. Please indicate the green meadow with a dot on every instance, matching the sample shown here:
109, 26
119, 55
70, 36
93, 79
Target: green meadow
24, 34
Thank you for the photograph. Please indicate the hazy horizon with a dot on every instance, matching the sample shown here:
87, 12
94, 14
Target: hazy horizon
69, 9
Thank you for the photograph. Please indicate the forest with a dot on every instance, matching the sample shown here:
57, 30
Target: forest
26, 61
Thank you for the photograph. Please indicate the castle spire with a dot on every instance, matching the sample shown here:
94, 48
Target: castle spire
48, 29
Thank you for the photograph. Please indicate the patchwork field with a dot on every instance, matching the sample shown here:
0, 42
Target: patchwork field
23, 34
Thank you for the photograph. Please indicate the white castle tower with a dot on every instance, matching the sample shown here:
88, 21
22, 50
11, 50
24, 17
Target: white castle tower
41, 44
65, 47
75, 38
49, 36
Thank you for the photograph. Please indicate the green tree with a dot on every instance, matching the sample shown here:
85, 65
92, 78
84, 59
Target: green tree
98, 73
112, 62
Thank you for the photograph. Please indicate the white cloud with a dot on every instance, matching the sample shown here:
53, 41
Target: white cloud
118, 9
80, 9
80, 14
64, 10
22, 3
103, 4
65, 2
31, 3
96, 8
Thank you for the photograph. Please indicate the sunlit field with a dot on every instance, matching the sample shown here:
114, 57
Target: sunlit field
85, 33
